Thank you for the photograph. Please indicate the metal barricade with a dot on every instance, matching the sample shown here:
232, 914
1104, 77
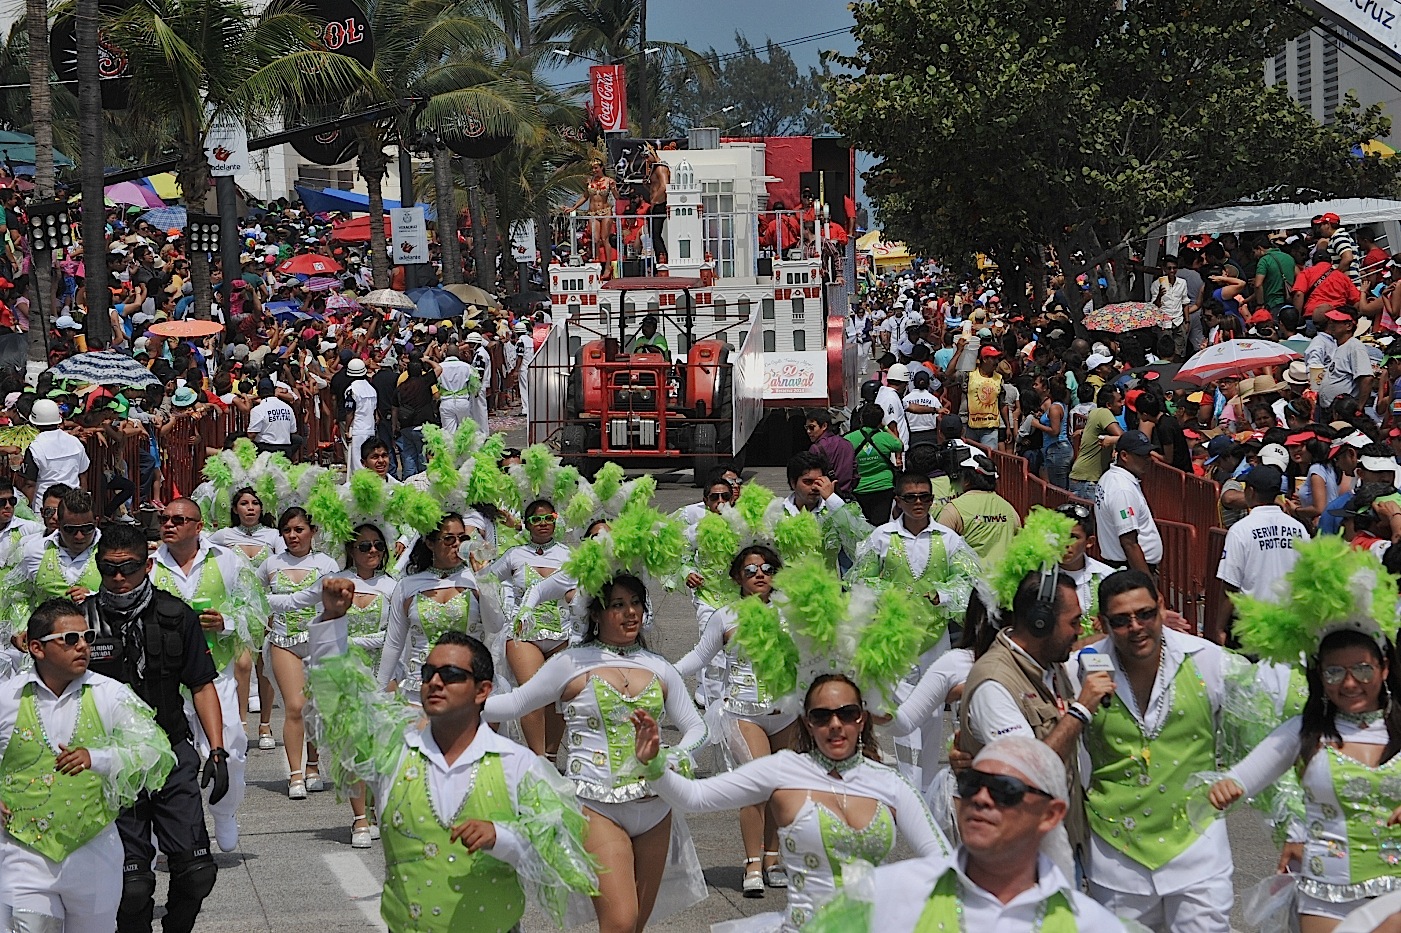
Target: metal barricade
1012, 480
1178, 578
1213, 624
1162, 487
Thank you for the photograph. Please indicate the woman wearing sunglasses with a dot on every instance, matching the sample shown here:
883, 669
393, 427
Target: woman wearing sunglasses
597, 685
439, 593
717, 494
539, 632
1347, 739
292, 581
749, 723
832, 798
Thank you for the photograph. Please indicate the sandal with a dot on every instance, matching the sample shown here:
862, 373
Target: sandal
296, 787
265, 740
360, 837
775, 875
753, 880
313, 776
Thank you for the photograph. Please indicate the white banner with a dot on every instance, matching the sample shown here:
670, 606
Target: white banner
523, 241
226, 148
796, 374
409, 234
747, 379
1374, 20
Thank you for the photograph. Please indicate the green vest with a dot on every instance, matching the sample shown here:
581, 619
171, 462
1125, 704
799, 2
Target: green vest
1137, 799
54, 814
432, 883
896, 571
50, 583
223, 646
944, 912
1368, 797
989, 524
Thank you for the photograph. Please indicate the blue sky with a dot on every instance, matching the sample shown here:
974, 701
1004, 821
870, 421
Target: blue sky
715, 22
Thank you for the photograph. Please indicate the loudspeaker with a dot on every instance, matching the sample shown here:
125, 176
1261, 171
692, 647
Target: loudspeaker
766, 267
634, 267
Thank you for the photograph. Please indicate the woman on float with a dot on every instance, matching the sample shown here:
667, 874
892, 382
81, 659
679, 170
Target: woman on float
250, 533
292, 579
1345, 839
597, 686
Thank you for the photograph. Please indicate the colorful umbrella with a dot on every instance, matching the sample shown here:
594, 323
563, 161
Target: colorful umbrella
472, 295
186, 328
129, 192
167, 218
388, 298
1234, 359
106, 368
321, 283
342, 303
1124, 316
309, 264
435, 304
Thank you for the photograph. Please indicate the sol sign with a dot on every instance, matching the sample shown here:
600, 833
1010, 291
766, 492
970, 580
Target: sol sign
610, 97
797, 374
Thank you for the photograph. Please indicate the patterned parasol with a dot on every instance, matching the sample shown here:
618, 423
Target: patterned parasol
1124, 316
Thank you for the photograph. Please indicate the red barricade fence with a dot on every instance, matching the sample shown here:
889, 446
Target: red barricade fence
1213, 622
1179, 579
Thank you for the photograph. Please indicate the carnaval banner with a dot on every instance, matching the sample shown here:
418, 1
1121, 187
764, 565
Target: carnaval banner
610, 97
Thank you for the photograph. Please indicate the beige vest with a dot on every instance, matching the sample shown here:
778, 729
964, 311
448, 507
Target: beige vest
1022, 678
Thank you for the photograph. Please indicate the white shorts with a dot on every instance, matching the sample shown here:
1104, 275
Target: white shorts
634, 817
1317, 907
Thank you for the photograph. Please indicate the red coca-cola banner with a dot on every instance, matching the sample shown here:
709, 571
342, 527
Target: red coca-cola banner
610, 97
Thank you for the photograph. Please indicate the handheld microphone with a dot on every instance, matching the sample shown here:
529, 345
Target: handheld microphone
1090, 662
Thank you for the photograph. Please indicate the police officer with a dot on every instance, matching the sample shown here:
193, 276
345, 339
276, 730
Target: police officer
153, 642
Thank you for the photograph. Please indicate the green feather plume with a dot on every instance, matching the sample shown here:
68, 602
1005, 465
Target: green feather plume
536, 461
411, 507
753, 501
368, 492
218, 472
245, 452
642, 491
487, 483
494, 447
1330, 584
717, 543
770, 649
265, 486
665, 547
567, 480
589, 564
328, 512
443, 478
814, 603
464, 442
608, 481
1043, 539
632, 533
578, 510
890, 645
796, 536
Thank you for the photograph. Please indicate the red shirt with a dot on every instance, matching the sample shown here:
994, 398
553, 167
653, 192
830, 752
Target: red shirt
1334, 288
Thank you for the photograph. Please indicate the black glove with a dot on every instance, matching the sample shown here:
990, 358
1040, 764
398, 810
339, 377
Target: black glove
216, 769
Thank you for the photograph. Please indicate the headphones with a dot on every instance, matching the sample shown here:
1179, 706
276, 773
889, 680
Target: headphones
1042, 617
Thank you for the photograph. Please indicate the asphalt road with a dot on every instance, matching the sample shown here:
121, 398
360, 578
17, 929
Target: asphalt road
294, 869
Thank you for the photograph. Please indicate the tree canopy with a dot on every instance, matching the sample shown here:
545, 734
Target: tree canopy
1003, 126
759, 86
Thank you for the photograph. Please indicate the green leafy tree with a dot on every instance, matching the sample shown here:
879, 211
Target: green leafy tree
758, 86
1004, 126
196, 62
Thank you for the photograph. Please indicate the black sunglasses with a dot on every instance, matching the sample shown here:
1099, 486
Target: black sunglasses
448, 673
718, 497
8, 502
126, 568
71, 639
916, 497
76, 530
48, 511
177, 520
365, 547
752, 570
1142, 617
1005, 791
820, 716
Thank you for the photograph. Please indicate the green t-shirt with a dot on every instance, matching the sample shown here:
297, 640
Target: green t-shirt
1090, 459
871, 456
1278, 269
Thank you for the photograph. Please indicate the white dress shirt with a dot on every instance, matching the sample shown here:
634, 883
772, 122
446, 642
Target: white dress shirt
71, 566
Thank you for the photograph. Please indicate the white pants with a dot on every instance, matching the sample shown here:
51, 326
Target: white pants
83, 890
1204, 907
453, 411
352, 456
235, 742
478, 413
525, 394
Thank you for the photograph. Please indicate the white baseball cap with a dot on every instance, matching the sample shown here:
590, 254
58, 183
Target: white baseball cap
1275, 455
1097, 360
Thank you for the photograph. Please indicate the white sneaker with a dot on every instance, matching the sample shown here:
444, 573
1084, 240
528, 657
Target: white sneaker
360, 836
226, 833
255, 705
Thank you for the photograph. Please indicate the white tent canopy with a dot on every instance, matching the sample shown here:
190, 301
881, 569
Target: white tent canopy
1354, 212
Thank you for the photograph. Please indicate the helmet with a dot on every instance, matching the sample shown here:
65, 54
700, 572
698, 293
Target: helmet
355, 368
45, 414
869, 390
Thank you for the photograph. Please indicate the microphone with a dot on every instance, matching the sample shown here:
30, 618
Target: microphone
1090, 662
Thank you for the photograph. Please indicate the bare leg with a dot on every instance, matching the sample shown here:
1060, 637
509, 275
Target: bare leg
1312, 923
291, 683
649, 852
266, 695
751, 818
526, 659
243, 674
616, 905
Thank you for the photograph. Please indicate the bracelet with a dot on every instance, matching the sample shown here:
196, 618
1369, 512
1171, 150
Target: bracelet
1080, 712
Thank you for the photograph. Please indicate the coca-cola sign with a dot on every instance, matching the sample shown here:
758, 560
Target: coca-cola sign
610, 97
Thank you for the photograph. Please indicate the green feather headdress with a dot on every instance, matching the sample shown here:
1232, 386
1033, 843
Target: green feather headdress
1332, 587
542, 475
1042, 542
641, 542
872, 636
337, 509
278, 483
756, 517
463, 469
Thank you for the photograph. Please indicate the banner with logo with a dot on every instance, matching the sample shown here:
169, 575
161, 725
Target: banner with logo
748, 381
226, 148
795, 374
610, 97
409, 234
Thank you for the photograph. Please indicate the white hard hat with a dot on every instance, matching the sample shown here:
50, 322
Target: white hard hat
898, 373
45, 414
475, 339
355, 368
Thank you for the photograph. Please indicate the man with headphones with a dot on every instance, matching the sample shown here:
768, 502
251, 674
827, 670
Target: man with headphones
1019, 686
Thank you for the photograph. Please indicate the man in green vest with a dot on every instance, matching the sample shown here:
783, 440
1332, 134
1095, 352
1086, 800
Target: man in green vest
61, 565
1008, 802
470, 819
986, 520
1148, 860
75, 746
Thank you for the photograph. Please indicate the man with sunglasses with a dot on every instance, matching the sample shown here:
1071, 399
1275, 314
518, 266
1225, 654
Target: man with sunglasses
61, 564
1148, 861
465, 809
12, 529
221, 586
153, 642
69, 734
1008, 804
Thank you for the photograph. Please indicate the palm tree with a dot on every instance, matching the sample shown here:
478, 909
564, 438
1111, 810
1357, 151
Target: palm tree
97, 323
36, 14
198, 62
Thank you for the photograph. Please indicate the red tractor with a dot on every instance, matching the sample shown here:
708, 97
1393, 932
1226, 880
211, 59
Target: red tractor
628, 401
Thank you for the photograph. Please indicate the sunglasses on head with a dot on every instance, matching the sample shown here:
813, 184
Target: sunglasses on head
1335, 674
1142, 617
71, 639
365, 547
76, 530
177, 520
448, 673
848, 715
544, 518
126, 568
1075, 510
753, 570
1005, 791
